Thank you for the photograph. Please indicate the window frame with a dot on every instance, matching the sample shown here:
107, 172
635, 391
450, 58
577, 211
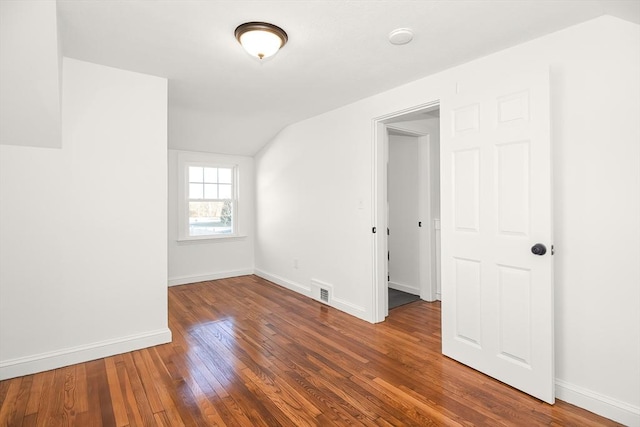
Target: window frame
183, 197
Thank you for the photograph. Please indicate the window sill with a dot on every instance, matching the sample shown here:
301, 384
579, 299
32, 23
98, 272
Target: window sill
210, 239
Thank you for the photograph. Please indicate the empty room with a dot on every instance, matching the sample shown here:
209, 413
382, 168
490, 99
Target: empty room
319, 213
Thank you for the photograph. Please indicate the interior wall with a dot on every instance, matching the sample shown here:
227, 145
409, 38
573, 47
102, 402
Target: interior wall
29, 74
315, 201
84, 243
199, 260
402, 195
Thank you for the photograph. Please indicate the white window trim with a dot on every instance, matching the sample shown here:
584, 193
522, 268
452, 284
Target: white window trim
184, 161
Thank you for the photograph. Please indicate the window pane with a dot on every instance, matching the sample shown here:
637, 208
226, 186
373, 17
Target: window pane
210, 218
211, 191
225, 191
210, 175
224, 174
195, 191
195, 174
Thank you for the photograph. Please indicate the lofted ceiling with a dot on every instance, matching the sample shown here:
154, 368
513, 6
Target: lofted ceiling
221, 100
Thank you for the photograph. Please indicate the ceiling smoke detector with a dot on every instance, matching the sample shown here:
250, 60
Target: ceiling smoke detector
400, 36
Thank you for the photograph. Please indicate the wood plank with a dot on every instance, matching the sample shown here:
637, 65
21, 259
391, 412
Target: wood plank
117, 400
9, 401
69, 397
134, 411
101, 411
45, 400
246, 352
21, 401
34, 394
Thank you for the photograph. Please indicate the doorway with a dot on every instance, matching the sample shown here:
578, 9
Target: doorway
412, 198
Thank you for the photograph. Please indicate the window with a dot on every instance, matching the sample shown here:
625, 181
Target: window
211, 201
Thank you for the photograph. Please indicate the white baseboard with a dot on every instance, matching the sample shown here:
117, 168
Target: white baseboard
404, 288
84, 353
285, 283
350, 308
597, 403
175, 281
340, 304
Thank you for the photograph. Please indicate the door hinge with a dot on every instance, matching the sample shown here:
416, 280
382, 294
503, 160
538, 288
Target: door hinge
419, 223
373, 230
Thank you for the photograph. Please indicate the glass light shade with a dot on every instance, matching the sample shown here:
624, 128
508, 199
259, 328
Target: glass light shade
261, 39
262, 44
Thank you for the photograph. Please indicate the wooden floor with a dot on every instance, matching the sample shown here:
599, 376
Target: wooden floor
246, 352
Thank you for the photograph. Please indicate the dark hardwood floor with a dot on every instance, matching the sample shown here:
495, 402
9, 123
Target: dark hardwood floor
246, 352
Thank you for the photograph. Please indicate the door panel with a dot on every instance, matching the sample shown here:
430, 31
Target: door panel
468, 304
513, 188
497, 296
466, 186
515, 314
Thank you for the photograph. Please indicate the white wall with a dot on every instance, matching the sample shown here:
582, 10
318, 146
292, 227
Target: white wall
402, 190
315, 186
199, 260
29, 74
313, 203
83, 253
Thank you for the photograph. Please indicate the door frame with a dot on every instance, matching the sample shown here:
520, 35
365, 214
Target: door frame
380, 158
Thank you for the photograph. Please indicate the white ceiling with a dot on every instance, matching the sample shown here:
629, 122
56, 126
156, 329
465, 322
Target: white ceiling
221, 100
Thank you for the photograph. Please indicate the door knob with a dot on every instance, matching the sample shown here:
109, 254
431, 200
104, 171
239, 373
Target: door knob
538, 249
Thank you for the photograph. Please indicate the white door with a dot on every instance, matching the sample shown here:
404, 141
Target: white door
497, 295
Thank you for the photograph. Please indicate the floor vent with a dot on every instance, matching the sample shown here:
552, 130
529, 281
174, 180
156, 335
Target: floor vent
321, 291
324, 295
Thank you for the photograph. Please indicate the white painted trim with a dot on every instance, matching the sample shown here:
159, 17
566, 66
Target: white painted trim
210, 239
338, 303
597, 403
404, 288
379, 261
426, 254
184, 280
350, 308
398, 128
285, 283
69, 356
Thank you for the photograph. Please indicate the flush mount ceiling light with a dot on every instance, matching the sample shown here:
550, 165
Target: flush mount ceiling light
261, 39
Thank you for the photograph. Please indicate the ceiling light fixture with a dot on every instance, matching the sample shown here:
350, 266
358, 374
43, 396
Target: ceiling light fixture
261, 39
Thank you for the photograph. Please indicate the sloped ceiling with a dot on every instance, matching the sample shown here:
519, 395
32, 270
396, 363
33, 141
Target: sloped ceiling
221, 100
